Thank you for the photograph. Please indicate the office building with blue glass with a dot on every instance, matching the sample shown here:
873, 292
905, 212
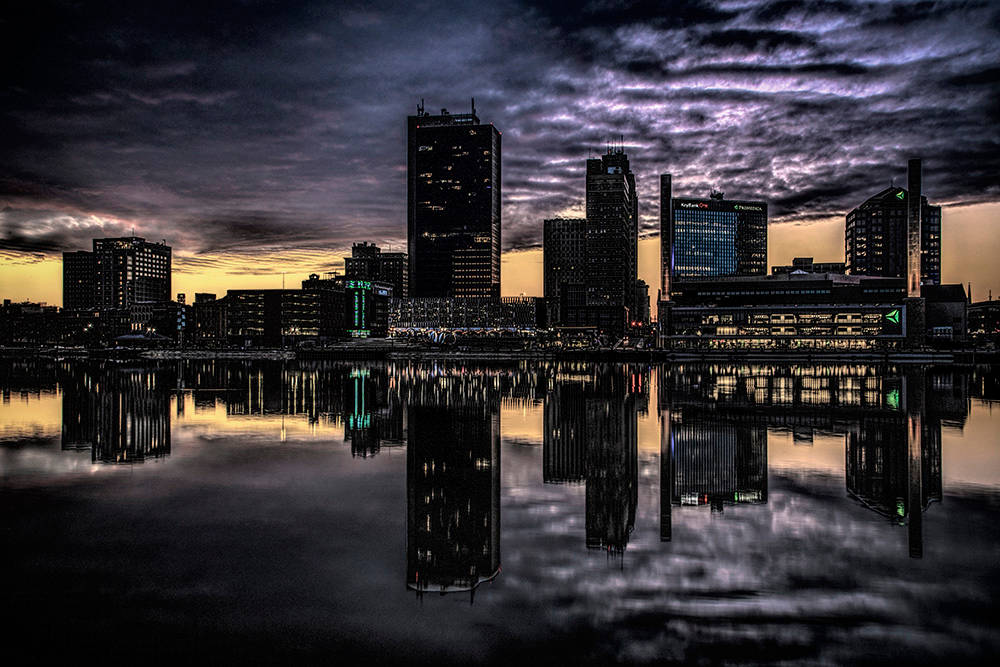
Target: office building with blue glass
717, 238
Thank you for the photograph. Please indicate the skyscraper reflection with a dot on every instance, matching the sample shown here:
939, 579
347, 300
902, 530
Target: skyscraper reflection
121, 413
453, 485
591, 436
715, 418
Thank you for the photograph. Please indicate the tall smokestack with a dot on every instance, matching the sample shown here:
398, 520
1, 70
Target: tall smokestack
913, 180
666, 236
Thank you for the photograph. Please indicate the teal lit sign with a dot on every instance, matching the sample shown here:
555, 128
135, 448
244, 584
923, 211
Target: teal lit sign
892, 399
358, 284
900, 195
893, 316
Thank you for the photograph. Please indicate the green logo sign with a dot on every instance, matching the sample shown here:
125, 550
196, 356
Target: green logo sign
893, 316
892, 399
900, 195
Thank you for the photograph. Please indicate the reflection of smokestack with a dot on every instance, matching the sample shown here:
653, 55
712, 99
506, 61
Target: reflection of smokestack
913, 177
913, 391
666, 478
666, 235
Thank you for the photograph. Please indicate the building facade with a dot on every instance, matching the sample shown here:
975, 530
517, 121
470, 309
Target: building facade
807, 265
79, 288
522, 313
368, 262
792, 311
713, 238
453, 205
612, 210
130, 270
875, 237
564, 263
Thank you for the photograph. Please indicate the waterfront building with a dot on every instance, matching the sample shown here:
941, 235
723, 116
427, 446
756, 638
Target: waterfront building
116, 273
275, 317
368, 262
79, 287
612, 209
512, 313
564, 261
875, 237
129, 270
807, 265
789, 311
366, 304
984, 322
715, 238
453, 205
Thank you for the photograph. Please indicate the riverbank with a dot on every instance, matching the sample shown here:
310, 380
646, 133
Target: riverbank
395, 351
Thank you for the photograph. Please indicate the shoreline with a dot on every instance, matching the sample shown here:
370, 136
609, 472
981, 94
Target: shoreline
401, 353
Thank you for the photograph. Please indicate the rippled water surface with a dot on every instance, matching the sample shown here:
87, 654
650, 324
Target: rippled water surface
699, 513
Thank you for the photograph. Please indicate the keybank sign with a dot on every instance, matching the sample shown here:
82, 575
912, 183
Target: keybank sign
719, 206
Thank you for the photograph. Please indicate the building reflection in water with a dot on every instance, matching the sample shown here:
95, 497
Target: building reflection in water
122, 413
714, 421
590, 416
453, 484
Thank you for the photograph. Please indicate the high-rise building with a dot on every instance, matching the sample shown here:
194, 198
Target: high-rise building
710, 238
875, 237
453, 205
79, 291
564, 260
612, 237
130, 270
368, 262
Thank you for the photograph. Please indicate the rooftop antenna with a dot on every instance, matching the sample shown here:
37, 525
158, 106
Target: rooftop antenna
420, 107
473, 106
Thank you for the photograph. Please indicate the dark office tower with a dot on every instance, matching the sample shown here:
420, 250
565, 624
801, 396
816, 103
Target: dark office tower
666, 234
875, 237
129, 270
612, 237
453, 205
79, 291
716, 237
564, 259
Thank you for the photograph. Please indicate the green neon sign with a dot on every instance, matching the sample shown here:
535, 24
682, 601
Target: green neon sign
900, 195
892, 399
893, 316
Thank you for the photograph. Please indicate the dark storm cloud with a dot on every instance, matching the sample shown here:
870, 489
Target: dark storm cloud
267, 127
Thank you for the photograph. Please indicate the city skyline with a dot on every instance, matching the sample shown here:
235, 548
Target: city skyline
254, 151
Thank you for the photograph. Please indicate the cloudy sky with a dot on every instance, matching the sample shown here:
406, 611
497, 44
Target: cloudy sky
261, 137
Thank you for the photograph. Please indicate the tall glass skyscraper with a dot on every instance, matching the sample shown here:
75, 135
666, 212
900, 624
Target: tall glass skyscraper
453, 205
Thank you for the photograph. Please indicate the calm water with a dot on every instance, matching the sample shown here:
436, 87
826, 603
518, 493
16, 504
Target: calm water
447, 513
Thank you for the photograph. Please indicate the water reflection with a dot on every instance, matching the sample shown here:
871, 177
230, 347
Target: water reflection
453, 485
591, 437
715, 421
778, 504
120, 413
